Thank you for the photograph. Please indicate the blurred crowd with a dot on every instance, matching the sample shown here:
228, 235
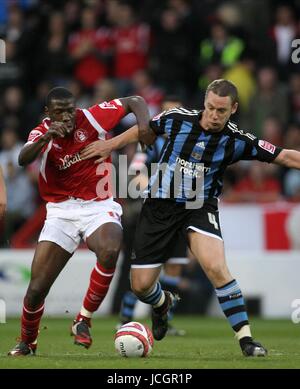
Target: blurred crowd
102, 49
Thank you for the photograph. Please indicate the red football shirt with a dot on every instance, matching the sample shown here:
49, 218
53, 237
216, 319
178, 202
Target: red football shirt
62, 173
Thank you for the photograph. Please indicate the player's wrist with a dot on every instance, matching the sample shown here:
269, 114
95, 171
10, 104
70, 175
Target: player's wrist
45, 139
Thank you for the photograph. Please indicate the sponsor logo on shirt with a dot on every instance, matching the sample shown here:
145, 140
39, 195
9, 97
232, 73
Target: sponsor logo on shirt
267, 146
69, 160
192, 169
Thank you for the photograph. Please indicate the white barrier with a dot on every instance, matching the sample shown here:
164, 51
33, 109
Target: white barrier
67, 293
273, 277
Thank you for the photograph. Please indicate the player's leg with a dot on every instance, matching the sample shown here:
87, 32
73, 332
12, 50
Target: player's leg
170, 280
145, 285
209, 251
49, 260
105, 242
170, 277
155, 233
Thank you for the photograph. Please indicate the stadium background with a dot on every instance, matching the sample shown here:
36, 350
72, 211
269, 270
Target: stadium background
106, 49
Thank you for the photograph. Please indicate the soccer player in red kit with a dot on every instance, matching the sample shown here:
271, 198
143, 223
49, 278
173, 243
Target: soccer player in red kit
75, 208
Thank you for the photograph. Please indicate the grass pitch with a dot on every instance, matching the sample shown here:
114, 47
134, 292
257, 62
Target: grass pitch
209, 343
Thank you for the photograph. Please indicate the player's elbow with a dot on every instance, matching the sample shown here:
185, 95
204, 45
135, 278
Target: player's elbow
21, 160
137, 100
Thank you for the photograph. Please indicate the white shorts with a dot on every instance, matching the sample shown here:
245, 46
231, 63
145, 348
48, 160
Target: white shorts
69, 221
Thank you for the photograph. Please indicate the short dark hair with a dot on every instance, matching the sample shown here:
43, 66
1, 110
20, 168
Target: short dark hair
58, 93
223, 88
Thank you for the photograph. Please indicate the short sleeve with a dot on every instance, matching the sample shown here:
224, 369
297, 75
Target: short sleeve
108, 114
36, 134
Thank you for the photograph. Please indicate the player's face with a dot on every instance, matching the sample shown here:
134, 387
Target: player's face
62, 111
217, 111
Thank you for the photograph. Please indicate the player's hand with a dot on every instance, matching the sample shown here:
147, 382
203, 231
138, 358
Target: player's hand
100, 148
56, 130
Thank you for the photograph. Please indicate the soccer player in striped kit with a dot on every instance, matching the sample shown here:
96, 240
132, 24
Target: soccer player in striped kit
183, 200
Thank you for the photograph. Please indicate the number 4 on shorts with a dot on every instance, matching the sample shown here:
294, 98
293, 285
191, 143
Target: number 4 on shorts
212, 220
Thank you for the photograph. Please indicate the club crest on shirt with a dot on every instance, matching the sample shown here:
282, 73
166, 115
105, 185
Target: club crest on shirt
80, 135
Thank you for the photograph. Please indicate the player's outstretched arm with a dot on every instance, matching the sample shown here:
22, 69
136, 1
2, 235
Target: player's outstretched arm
288, 158
31, 151
103, 148
3, 199
138, 106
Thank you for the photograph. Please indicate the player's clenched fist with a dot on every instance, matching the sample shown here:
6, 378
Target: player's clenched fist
56, 130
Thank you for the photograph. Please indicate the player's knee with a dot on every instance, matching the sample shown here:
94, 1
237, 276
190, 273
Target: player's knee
140, 288
108, 256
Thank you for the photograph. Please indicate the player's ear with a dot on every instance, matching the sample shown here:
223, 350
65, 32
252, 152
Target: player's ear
234, 108
46, 109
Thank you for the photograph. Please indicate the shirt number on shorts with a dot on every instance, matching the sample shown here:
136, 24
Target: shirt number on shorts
212, 220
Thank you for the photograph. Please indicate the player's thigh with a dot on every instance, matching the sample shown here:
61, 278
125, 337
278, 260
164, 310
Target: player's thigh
210, 253
142, 279
49, 260
107, 237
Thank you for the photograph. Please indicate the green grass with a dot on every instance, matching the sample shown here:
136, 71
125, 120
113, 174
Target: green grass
209, 343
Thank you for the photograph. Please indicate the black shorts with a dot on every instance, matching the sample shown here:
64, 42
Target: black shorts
162, 223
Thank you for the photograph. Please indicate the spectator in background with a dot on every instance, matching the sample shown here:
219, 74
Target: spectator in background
131, 46
221, 47
291, 181
272, 131
11, 72
13, 107
24, 34
143, 86
54, 47
105, 90
173, 56
83, 99
257, 187
242, 75
35, 106
294, 97
90, 49
3, 197
20, 192
283, 32
270, 99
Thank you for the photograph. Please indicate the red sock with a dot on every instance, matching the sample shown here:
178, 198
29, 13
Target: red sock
30, 322
98, 288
